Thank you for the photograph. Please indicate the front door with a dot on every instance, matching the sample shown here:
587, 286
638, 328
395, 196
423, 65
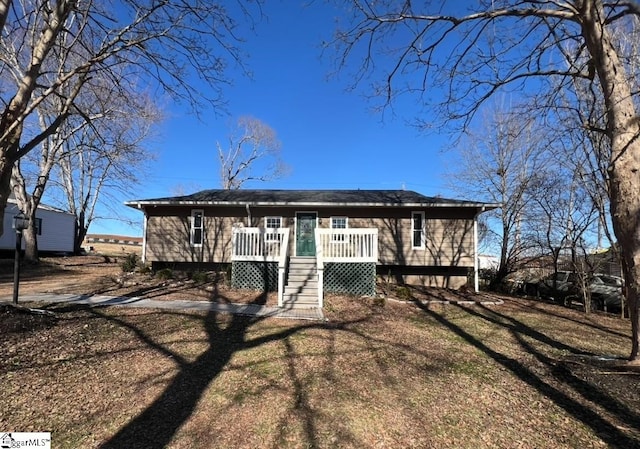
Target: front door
305, 234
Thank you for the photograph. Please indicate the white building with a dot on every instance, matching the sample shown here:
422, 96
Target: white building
55, 229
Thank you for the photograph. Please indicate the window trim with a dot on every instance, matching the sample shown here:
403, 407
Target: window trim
338, 238
269, 234
193, 228
421, 214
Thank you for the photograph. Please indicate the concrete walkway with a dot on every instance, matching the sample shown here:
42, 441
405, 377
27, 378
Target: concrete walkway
173, 304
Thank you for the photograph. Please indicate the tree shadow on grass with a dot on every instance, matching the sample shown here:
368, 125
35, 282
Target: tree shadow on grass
557, 312
566, 381
549, 308
156, 426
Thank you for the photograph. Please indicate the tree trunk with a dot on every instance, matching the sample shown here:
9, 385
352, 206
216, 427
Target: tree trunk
30, 238
624, 168
6, 167
81, 232
504, 268
497, 283
625, 209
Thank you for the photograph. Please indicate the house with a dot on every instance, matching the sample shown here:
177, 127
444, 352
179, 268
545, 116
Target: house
55, 229
306, 242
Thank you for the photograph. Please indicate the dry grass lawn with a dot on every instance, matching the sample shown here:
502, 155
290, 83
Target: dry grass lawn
376, 375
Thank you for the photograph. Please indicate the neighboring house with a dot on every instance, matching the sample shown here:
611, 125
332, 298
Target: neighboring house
112, 239
305, 242
55, 229
488, 262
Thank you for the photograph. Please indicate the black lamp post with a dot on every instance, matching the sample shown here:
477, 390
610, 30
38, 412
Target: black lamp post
20, 223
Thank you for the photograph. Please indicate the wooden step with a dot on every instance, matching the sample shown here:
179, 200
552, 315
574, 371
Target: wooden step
301, 300
301, 289
298, 287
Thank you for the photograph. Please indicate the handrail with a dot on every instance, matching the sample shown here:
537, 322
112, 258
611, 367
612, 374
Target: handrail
269, 245
347, 245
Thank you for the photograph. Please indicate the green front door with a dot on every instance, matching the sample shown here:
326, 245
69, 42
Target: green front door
305, 234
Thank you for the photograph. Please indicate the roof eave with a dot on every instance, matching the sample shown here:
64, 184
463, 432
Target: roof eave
142, 204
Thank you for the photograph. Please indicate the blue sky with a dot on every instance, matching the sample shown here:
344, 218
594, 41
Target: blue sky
331, 138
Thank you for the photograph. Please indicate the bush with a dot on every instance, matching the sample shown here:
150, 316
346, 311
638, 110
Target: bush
130, 263
404, 293
165, 274
200, 277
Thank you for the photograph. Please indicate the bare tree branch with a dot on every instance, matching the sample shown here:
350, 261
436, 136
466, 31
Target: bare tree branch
50, 49
253, 155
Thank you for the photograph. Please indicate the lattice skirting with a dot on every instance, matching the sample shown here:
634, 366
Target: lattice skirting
350, 278
255, 275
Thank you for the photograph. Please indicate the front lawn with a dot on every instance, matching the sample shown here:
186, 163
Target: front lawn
375, 375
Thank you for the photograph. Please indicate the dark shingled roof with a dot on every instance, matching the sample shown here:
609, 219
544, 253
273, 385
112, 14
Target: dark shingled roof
308, 198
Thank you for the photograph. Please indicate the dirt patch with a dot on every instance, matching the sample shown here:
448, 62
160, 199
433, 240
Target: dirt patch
103, 275
21, 319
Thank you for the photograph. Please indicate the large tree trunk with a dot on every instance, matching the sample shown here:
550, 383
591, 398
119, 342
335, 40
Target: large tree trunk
30, 238
624, 169
625, 211
504, 268
81, 232
6, 166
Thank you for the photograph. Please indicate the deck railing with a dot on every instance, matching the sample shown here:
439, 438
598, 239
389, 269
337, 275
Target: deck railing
347, 245
269, 245
344, 245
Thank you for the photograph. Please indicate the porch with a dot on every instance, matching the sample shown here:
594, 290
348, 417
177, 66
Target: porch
342, 260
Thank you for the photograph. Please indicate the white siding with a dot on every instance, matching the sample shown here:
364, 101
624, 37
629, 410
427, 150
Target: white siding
57, 230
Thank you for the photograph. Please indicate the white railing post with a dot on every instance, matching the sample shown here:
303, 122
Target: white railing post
320, 236
283, 238
374, 246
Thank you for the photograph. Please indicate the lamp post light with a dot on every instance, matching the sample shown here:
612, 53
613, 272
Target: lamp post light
20, 223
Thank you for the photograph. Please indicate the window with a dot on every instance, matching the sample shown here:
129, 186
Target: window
197, 227
338, 223
417, 230
272, 224
38, 224
610, 280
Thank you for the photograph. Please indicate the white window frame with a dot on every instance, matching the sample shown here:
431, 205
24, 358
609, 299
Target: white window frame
193, 228
414, 230
269, 234
338, 238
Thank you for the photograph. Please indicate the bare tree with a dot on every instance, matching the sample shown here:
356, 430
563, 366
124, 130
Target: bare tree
564, 219
253, 154
439, 49
106, 158
53, 49
497, 163
113, 132
36, 177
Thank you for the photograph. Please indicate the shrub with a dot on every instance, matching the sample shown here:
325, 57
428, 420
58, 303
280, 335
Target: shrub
200, 277
404, 293
379, 301
165, 273
130, 263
